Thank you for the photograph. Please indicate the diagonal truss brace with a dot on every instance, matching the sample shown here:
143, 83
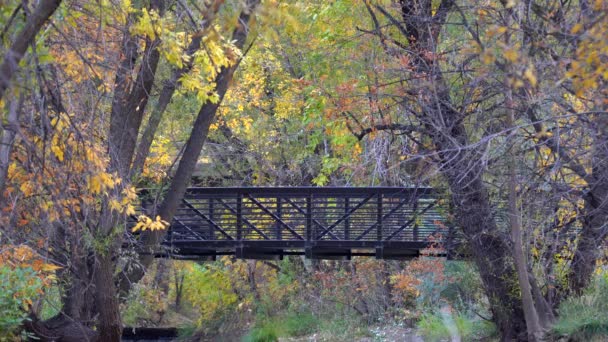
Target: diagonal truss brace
345, 216
406, 224
315, 221
246, 221
370, 228
208, 219
278, 219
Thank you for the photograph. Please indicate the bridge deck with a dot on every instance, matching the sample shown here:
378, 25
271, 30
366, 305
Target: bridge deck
319, 222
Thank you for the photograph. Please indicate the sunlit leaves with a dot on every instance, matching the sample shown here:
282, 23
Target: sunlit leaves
159, 159
214, 55
589, 68
173, 48
102, 182
211, 292
146, 223
149, 24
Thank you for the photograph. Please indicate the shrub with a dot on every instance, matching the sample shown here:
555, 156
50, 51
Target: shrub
209, 291
18, 286
342, 328
300, 324
584, 317
267, 332
145, 306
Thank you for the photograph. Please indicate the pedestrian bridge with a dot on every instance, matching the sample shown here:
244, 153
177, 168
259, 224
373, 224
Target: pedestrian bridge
318, 222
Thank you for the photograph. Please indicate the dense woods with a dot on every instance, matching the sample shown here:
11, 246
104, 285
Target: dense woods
502, 106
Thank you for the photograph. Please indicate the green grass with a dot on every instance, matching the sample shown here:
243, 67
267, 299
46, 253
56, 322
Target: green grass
266, 332
343, 328
436, 327
300, 324
297, 324
287, 324
585, 317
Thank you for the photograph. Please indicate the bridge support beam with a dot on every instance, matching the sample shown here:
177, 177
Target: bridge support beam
396, 254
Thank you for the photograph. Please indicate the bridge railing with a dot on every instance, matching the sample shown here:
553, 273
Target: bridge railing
286, 219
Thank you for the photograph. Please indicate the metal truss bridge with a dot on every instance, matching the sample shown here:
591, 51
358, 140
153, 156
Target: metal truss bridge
318, 222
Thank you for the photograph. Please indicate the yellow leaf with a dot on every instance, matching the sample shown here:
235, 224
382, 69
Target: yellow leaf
511, 55
27, 188
130, 193
530, 76
130, 210
115, 205
49, 267
576, 28
94, 184
57, 151
106, 179
137, 227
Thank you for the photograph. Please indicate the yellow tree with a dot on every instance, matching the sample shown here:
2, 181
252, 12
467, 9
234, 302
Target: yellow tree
70, 175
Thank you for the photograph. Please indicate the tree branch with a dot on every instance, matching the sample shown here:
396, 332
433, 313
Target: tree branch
384, 127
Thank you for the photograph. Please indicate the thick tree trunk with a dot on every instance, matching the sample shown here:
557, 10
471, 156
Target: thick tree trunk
461, 166
131, 98
26, 36
595, 223
73, 323
460, 163
106, 300
490, 254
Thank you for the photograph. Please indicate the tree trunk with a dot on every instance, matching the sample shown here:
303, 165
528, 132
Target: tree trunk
190, 156
106, 300
460, 163
463, 172
143, 148
595, 226
26, 36
490, 254
6, 144
519, 256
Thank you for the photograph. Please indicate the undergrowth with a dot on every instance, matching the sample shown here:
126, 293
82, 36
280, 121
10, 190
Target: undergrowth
585, 317
441, 326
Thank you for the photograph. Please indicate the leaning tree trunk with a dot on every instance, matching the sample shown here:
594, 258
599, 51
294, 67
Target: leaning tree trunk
490, 252
192, 150
533, 326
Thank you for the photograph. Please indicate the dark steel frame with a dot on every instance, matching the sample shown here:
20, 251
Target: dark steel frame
318, 222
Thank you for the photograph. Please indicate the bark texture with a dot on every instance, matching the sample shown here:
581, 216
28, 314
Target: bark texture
595, 222
459, 162
12, 57
189, 159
